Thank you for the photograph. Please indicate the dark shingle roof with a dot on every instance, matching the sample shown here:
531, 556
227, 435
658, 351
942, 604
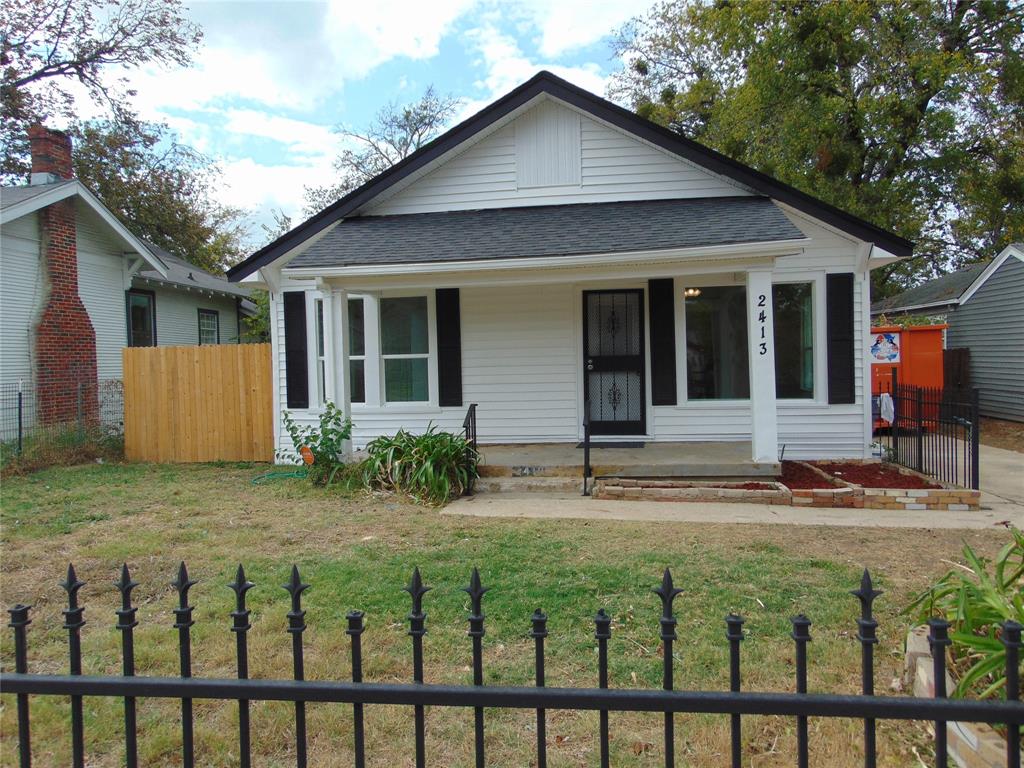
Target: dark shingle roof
182, 273
11, 196
941, 290
549, 230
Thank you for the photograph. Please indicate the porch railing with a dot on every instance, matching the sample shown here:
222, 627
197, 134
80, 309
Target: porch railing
586, 447
469, 428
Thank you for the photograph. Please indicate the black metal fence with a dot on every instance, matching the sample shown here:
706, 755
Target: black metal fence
735, 702
933, 431
90, 406
472, 455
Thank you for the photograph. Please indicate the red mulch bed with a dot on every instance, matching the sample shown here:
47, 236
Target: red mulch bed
798, 476
874, 475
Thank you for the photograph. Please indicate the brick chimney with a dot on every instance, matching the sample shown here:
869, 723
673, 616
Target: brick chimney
51, 155
65, 342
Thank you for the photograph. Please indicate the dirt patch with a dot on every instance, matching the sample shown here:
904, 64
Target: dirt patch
874, 475
797, 476
1008, 435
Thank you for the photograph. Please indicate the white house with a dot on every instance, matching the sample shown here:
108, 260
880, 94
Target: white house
77, 286
555, 253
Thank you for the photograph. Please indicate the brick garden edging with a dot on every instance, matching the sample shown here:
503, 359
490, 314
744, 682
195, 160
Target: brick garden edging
843, 494
971, 745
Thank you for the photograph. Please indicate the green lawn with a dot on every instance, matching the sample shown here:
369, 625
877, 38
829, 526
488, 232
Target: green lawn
358, 551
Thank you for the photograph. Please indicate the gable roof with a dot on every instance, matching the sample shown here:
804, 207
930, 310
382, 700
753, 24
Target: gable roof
549, 230
602, 109
1013, 249
16, 202
184, 274
941, 291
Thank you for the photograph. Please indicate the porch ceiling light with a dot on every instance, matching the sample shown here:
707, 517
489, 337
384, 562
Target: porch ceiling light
691, 293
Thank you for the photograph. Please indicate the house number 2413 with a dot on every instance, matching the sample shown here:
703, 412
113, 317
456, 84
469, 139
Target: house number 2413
762, 318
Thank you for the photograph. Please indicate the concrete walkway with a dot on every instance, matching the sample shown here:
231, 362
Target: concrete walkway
1002, 473
994, 511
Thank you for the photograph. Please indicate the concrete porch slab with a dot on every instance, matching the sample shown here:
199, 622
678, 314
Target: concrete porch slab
692, 460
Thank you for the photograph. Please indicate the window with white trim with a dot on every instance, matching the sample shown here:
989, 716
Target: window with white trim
209, 326
357, 350
793, 315
405, 349
321, 358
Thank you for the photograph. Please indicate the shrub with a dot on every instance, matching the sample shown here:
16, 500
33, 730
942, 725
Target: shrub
432, 468
59, 446
976, 602
320, 447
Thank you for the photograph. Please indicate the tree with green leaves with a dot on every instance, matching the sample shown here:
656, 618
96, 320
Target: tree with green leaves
908, 114
53, 50
160, 189
394, 133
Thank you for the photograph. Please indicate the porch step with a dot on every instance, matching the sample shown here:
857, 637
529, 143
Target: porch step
529, 484
733, 470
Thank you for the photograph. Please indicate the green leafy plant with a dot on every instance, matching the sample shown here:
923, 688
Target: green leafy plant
976, 600
432, 468
320, 447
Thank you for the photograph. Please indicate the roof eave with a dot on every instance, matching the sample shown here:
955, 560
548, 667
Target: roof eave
545, 82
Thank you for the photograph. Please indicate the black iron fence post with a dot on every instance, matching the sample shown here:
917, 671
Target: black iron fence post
296, 626
866, 626
355, 631
19, 623
21, 422
240, 626
801, 637
183, 623
938, 640
417, 629
975, 441
919, 432
126, 623
538, 632
1012, 643
476, 591
667, 592
73, 623
586, 446
603, 633
734, 634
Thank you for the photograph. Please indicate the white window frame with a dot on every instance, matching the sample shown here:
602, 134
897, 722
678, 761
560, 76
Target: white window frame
430, 356
319, 351
364, 300
818, 338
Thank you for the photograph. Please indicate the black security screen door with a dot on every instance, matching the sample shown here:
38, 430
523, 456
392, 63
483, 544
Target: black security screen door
613, 361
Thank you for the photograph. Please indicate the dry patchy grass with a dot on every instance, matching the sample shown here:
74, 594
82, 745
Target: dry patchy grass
358, 551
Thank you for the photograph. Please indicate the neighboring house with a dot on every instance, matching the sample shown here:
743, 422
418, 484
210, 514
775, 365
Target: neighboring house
76, 286
556, 252
989, 321
932, 300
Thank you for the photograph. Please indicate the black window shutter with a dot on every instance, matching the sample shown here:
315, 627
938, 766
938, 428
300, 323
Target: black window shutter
296, 363
661, 301
841, 353
449, 347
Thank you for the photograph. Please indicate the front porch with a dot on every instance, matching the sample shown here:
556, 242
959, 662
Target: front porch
718, 460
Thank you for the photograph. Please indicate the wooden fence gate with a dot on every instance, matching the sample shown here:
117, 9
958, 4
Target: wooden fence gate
207, 403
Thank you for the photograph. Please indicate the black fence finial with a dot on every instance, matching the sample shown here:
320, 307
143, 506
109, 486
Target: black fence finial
416, 590
866, 594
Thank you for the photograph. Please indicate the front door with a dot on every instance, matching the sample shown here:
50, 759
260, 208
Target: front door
613, 361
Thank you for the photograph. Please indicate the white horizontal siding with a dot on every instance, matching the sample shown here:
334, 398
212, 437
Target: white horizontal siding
612, 166
101, 287
22, 292
177, 316
706, 420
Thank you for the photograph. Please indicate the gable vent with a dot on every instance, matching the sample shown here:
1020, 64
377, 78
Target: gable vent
548, 147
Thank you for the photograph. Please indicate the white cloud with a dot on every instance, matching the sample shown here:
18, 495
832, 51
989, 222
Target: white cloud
566, 25
299, 136
364, 35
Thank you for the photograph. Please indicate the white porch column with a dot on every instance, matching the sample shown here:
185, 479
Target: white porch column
764, 432
341, 379
372, 366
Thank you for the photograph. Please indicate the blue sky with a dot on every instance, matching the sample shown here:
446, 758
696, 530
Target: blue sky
273, 78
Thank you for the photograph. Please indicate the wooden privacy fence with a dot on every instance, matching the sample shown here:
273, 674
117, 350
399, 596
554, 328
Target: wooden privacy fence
207, 403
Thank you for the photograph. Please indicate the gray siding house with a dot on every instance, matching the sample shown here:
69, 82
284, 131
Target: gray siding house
989, 320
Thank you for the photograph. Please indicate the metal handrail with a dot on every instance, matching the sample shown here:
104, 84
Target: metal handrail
587, 470
469, 428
